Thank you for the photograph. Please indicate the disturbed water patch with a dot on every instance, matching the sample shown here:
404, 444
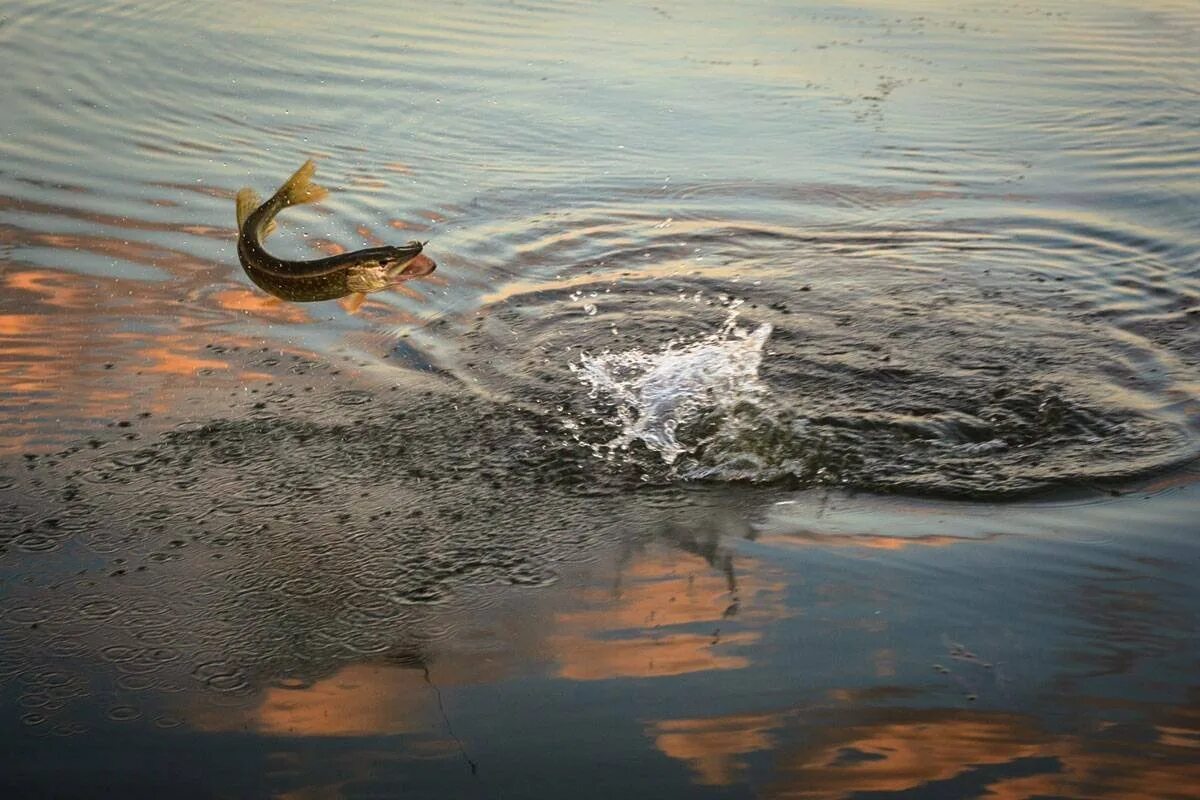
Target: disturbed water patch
655, 394
882, 383
226, 553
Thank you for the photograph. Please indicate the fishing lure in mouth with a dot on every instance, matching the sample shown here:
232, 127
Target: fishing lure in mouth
351, 275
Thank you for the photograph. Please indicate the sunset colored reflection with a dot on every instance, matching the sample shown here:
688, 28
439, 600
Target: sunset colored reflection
917, 749
167, 359
358, 700
70, 342
665, 616
71, 349
937, 746
650, 656
713, 748
912, 751
868, 541
59, 289
261, 305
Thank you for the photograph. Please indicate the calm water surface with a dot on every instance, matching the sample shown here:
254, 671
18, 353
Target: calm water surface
805, 404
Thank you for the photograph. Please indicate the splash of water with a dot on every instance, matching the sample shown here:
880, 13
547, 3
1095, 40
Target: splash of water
656, 395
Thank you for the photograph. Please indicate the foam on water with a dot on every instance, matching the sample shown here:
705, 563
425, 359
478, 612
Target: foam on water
653, 395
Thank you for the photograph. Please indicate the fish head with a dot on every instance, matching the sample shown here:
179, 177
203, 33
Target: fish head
405, 262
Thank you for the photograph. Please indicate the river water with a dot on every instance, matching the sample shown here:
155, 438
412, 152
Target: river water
805, 403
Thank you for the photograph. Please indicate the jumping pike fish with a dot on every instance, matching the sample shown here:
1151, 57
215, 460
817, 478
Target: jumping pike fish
354, 274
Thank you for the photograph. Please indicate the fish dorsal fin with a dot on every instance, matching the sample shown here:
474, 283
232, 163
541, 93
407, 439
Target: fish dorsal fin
247, 201
300, 189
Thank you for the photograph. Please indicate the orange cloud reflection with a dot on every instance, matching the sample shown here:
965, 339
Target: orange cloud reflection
49, 286
917, 749
712, 747
166, 361
70, 352
870, 541
262, 306
359, 700
911, 751
647, 626
649, 656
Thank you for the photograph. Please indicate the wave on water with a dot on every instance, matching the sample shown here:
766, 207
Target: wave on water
859, 389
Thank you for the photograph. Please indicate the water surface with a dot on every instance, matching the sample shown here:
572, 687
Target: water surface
805, 403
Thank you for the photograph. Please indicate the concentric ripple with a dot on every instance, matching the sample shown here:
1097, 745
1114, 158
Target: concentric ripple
871, 378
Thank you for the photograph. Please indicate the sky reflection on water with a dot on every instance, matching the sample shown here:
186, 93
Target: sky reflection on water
260, 549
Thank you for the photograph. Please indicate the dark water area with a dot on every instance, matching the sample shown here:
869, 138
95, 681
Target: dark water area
805, 404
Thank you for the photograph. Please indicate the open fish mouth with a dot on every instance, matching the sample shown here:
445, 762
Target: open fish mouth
416, 267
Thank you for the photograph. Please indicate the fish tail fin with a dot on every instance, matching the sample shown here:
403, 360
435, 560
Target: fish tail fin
300, 189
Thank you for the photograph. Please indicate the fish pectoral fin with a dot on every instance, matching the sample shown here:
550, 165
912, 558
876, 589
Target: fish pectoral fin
247, 201
353, 302
267, 231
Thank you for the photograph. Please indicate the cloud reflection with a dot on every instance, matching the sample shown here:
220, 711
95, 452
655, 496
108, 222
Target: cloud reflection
713, 747
358, 700
66, 336
924, 752
666, 615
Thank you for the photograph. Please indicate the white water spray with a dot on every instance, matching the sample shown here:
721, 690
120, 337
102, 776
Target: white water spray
657, 393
